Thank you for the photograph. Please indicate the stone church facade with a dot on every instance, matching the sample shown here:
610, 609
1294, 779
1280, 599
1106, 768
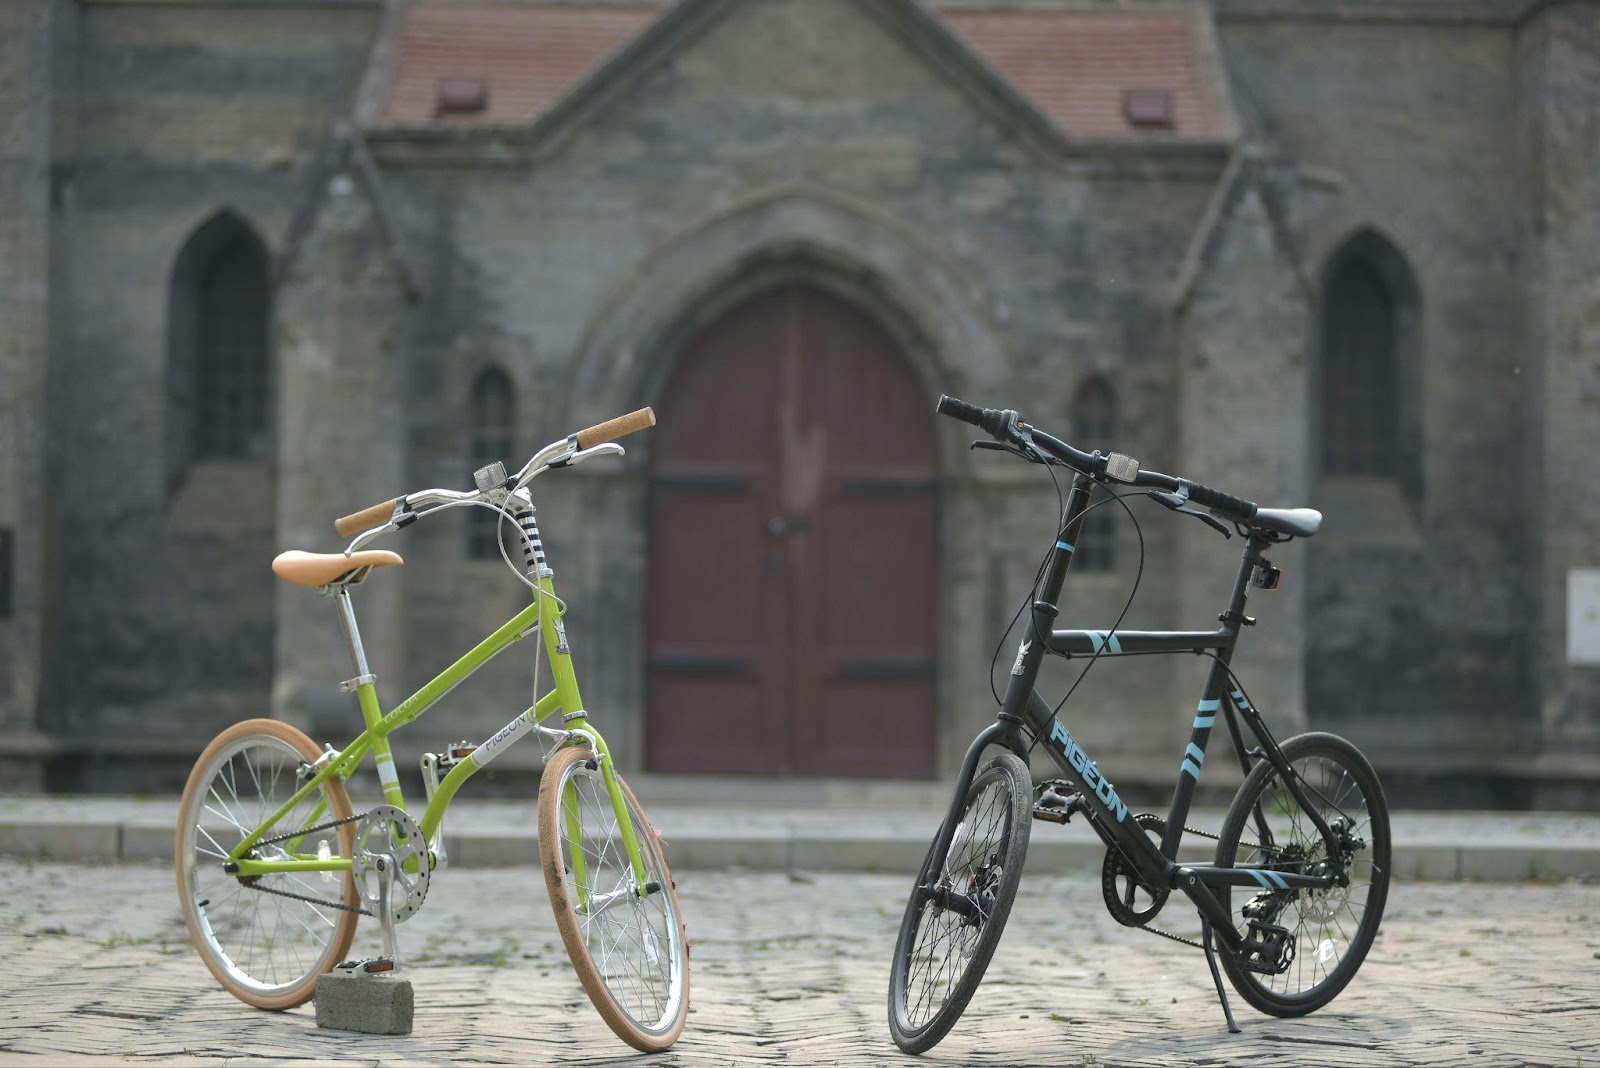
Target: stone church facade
264, 262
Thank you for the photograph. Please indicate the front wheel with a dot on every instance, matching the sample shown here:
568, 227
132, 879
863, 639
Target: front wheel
1318, 938
959, 905
266, 938
626, 939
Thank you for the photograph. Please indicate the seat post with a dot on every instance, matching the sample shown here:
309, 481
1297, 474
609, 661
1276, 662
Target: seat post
352, 634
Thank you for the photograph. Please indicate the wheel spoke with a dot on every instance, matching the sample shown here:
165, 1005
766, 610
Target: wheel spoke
266, 947
631, 943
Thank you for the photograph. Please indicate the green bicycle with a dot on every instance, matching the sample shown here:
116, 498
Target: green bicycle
275, 867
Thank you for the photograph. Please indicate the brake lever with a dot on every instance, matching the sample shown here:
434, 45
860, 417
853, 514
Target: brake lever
1000, 446
1033, 457
1178, 502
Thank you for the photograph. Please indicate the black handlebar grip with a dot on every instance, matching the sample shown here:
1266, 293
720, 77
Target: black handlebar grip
1223, 504
986, 418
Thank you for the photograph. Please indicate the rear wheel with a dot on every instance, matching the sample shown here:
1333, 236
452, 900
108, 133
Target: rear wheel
1321, 936
627, 942
261, 937
958, 907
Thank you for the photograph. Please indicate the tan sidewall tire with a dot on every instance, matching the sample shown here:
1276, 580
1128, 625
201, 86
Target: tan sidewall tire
567, 919
339, 805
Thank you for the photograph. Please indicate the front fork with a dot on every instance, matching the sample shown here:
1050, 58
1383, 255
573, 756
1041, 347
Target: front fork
1000, 733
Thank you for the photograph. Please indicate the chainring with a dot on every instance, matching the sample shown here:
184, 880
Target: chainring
1121, 885
389, 842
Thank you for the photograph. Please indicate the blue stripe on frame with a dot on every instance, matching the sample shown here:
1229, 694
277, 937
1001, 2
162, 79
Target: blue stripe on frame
1209, 706
1104, 639
1204, 721
1190, 768
1064, 546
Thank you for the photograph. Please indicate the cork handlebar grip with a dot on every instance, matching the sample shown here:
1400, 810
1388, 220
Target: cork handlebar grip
367, 517
612, 429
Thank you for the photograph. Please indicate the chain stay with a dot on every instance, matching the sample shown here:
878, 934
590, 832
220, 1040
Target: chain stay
310, 830
256, 886
308, 898
1195, 943
1180, 938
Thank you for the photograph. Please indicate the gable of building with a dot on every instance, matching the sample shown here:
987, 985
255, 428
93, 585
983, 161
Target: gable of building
1147, 74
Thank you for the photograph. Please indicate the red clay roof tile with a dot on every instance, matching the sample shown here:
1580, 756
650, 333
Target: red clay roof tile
1075, 65
529, 54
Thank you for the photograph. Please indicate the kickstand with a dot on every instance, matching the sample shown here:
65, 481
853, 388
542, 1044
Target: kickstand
1216, 976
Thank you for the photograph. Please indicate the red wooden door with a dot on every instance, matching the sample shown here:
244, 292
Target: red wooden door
793, 591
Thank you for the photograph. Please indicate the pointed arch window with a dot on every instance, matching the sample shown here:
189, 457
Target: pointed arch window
1369, 404
218, 380
491, 421
1094, 426
1358, 374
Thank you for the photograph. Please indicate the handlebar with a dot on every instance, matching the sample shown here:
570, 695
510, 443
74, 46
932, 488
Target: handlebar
612, 429
367, 517
561, 453
1008, 428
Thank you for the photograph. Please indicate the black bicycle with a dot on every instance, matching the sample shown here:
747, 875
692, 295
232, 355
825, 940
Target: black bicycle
1302, 861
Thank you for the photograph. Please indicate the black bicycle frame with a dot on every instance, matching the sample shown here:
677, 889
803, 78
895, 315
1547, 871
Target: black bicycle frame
1023, 714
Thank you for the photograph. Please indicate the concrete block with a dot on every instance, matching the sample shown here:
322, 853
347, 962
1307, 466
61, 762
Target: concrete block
349, 999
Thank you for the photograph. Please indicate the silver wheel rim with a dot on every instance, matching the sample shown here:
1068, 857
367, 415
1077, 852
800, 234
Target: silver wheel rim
267, 944
633, 941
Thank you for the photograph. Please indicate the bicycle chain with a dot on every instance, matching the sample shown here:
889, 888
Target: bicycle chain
306, 897
311, 830
1180, 938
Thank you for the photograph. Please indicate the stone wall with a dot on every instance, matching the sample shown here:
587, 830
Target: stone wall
1401, 123
859, 146
25, 144
785, 139
163, 623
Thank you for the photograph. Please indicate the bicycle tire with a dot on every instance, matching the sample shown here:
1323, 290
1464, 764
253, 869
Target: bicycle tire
1335, 926
982, 867
266, 950
640, 983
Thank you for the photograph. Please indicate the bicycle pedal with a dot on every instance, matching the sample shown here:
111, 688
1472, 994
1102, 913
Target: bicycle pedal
371, 965
1053, 805
1268, 949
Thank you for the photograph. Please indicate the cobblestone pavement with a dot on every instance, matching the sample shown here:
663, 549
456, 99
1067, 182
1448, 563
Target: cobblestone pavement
793, 970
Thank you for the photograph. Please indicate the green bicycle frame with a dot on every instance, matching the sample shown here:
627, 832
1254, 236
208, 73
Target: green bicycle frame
565, 699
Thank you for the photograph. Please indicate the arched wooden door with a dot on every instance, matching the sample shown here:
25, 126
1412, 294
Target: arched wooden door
793, 590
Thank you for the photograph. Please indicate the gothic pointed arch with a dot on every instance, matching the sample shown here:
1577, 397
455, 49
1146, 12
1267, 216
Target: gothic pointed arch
1368, 383
491, 436
1094, 426
218, 351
